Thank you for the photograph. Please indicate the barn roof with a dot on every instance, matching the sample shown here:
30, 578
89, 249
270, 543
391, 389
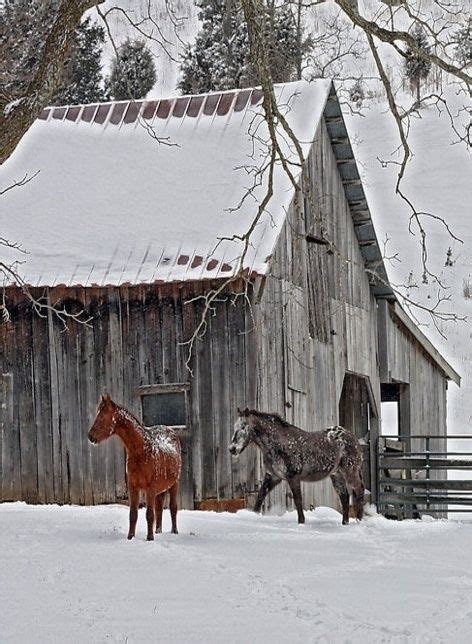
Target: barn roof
159, 190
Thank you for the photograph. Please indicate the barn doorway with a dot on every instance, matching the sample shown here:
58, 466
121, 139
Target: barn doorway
395, 409
358, 412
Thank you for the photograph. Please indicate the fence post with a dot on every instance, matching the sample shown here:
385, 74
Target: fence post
428, 472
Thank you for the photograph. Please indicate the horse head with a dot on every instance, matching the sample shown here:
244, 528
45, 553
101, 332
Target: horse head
104, 424
243, 432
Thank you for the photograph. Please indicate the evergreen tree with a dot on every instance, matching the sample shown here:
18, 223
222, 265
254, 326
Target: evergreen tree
220, 60
416, 68
83, 81
133, 72
24, 25
464, 44
284, 48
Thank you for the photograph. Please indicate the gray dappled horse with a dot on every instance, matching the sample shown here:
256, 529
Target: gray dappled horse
295, 455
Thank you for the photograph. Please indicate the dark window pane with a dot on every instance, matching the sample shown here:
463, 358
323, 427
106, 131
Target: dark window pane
164, 409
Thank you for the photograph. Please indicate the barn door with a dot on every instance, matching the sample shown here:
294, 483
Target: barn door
357, 412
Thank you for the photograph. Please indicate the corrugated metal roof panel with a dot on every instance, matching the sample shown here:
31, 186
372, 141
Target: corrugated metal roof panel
73, 113
149, 109
102, 113
117, 113
132, 112
88, 113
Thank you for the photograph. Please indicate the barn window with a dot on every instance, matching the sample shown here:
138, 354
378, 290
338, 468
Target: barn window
165, 404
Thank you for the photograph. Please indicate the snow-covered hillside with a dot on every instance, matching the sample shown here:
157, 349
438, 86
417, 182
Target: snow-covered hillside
68, 574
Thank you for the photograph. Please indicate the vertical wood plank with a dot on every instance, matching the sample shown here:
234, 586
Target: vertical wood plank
42, 409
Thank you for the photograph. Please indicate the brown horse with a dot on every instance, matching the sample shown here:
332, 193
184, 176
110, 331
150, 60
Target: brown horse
153, 462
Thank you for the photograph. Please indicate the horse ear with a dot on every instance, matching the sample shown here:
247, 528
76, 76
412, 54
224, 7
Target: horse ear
240, 413
105, 397
246, 412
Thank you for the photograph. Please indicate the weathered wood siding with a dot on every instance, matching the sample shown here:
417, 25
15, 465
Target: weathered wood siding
51, 380
317, 319
403, 360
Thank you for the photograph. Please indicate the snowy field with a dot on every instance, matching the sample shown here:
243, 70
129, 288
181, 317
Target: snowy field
68, 574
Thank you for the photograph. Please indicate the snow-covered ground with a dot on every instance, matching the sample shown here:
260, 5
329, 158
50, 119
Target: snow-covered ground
68, 574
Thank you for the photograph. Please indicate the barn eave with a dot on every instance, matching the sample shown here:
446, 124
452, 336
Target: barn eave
355, 195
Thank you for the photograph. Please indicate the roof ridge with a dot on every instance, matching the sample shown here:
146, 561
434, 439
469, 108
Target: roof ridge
178, 96
118, 112
218, 103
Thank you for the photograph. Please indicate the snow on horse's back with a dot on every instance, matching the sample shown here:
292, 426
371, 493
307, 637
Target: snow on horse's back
153, 462
295, 455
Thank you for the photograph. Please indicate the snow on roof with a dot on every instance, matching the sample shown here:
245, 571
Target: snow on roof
141, 191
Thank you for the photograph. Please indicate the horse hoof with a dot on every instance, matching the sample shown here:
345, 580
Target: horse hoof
130, 536
158, 530
150, 537
175, 531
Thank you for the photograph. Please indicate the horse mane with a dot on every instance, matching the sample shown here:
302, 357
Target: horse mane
128, 414
266, 415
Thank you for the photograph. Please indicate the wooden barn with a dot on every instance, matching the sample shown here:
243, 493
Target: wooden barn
134, 217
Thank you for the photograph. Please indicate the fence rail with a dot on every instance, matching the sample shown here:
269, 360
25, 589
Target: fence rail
413, 475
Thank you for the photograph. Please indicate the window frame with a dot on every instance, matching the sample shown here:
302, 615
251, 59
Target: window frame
168, 388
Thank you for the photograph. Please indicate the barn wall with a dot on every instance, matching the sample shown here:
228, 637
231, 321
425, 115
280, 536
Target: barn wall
52, 379
403, 360
317, 319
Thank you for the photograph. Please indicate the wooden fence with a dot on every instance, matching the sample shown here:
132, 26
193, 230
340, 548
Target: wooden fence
413, 476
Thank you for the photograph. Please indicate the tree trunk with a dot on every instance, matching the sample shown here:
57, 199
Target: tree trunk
299, 40
19, 116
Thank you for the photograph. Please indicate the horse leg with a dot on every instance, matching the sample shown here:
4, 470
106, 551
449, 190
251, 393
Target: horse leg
268, 484
358, 496
339, 485
133, 511
295, 486
150, 514
173, 493
159, 505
